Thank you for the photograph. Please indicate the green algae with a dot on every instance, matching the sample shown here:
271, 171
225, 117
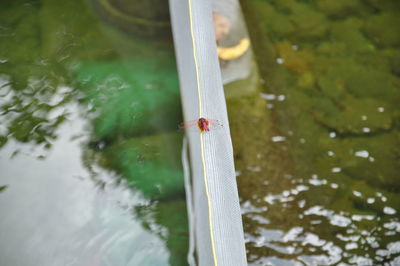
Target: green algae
357, 117
339, 8
349, 33
308, 23
383, 38
276, 22
339, 122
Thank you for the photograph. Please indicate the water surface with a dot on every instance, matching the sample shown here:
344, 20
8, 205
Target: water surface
89, 154
317, 146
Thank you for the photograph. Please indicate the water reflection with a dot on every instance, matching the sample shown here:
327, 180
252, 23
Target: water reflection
90, 166
54, 214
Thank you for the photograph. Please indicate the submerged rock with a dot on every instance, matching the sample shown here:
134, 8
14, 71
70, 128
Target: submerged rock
369, 199
273, 20
357, 117
387, 5
338, 8
339, 120
389, 37
381, 166
393, 56
348, 32
308, 22
296, 61
345, 75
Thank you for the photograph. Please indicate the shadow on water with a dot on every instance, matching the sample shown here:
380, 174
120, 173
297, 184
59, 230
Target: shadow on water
76, 89
316, 146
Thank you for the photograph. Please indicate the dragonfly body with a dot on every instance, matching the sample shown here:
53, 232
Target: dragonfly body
203, 124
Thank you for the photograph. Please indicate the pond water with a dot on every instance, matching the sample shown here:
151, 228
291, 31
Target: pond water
90, 167
317, 144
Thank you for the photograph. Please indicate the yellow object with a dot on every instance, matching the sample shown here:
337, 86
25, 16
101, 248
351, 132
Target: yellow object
230, 53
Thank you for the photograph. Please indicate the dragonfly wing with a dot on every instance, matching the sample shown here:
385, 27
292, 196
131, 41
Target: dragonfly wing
188, 124
214, 124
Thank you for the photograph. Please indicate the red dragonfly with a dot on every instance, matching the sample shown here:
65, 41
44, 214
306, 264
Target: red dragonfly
203, 124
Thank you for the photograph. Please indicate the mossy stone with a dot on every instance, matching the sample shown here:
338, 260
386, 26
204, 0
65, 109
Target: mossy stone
386, 6
348, 32
332, 48
393, 57
297, 61
273, 20
357, 117
361, 80
389, 37
309, 23
306, 80
382, 170
338, 8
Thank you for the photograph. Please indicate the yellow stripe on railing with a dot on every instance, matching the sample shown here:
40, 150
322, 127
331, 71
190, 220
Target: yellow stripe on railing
201, 136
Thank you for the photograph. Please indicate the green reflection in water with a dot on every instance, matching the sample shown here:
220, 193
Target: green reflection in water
132, 97
151, 164
53, 53
320, 183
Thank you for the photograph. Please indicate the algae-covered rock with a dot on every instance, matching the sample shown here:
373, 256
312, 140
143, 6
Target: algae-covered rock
372, 199
338, 8
387, 5
291, 19
332, 86
309, 23
357, 117
395, 64
338, 124
364, 82
382, 29
348, 32
306, 80
370, 159
273, 20
393, 58
379, 165
332, 48
151, 164
297, 61
360, 80
133, 97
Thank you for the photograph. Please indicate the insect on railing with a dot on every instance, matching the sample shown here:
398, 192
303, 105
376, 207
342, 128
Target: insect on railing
203, 124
